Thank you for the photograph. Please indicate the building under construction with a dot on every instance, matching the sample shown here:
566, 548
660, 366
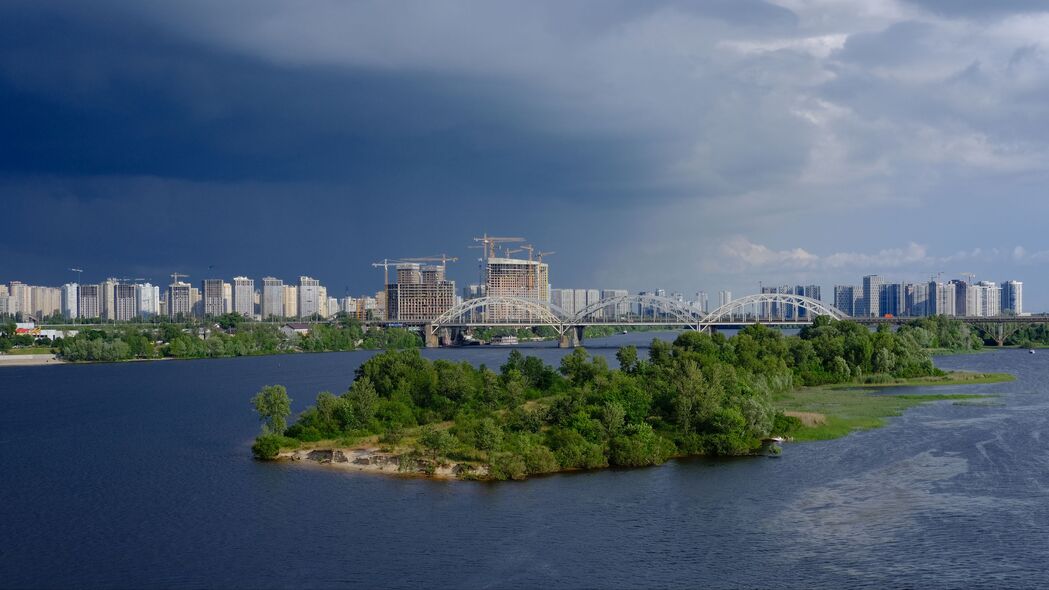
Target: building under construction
421, 293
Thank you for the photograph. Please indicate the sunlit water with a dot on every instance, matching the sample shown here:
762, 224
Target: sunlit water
139, 475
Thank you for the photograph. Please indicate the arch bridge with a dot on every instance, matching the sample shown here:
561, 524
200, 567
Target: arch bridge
640, 310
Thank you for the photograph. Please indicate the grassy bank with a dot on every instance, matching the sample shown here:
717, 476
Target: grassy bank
834, 411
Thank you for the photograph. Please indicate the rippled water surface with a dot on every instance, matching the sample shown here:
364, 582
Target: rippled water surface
139, 475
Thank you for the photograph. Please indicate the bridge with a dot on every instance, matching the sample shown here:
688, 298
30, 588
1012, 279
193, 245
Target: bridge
781, 309
771, 309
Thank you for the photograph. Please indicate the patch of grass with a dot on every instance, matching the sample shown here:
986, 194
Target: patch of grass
30, 350
951, 378
847, 410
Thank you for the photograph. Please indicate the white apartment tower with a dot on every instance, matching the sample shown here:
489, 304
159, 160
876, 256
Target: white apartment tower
309, 297
244, 296
272, 301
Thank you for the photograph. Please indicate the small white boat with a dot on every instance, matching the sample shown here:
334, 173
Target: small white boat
504, 340
623, 332
1030, 350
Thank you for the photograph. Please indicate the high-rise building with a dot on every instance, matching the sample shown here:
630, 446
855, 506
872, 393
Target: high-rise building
1012, 297
810, 291
421, 293
148, 300
845, 297
107, 297
964, 298
89, 303
21, 299
309, 297
213, 292
227, 298
291, 301
917, 302
196, 302
244, 296
125, 302
893, 299
512, 277
872, 285
702, 302
942, 299
272, 303
180, 300
45, 301
724, 298
620, 308
70, 301
988, 299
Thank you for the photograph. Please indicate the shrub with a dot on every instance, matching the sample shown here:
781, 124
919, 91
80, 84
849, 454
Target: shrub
266, 447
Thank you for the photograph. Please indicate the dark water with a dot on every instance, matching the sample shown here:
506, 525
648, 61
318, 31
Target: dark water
139, 475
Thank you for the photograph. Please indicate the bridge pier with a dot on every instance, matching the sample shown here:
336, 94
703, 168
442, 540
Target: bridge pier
572, 338
430, 339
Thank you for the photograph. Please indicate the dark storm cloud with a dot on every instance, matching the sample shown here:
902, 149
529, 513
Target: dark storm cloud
272, 137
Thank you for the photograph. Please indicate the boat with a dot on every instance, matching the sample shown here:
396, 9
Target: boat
623, 332
1030, 350
504, 340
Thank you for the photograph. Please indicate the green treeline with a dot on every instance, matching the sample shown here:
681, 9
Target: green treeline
240, 339
702, 394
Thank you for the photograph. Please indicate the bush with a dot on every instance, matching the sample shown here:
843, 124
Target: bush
503, 466
266, 447
640, 446
784, 425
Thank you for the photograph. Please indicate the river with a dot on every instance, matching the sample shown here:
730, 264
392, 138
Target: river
139, 475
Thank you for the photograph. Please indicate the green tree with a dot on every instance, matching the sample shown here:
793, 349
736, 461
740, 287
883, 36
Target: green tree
273, 406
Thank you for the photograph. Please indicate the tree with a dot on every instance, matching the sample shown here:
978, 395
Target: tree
274, 406
627, 357
437, 441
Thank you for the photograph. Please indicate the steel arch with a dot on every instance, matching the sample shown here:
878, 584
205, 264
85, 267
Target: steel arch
685, 314
542, 314
813, 306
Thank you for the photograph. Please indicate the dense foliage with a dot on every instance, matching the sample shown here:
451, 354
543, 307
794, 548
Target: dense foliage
702, 394
227, 337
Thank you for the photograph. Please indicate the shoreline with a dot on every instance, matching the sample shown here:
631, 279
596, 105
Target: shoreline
30, 360
856, 410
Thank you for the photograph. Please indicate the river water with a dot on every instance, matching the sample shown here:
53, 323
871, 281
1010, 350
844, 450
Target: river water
139, 475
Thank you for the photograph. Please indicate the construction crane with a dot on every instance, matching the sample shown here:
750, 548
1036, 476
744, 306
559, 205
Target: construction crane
508, 251
490, 241
444, 259
969, 275
534, 277
176, 275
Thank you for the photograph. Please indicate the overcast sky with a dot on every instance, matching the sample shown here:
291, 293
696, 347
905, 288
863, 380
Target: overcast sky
685, 146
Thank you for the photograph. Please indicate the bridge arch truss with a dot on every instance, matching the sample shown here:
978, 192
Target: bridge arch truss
515, 312
638, 309
763, 307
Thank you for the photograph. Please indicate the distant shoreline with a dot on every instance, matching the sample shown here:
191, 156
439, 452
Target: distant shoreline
29, 360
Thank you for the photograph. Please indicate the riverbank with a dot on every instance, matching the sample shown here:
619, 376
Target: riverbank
832, 411
368, 458
29, 360
825, 412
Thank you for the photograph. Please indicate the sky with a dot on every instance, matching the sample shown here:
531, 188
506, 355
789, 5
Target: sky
678, 145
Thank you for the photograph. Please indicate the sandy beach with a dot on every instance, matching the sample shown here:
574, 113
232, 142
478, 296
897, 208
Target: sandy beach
25, 360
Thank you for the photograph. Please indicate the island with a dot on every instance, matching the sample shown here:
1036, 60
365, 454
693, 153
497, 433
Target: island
702, 394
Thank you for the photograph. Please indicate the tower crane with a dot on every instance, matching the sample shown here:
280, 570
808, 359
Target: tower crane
176, 275
970, 276
490, 241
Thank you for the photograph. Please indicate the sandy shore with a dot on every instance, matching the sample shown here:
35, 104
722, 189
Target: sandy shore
26, 360
373, 460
